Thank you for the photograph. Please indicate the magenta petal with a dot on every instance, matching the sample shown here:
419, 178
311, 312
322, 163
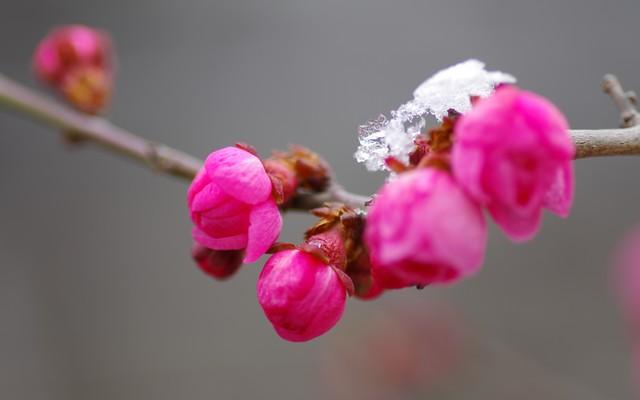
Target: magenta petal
240, 174
226, 226
265, 223
208, 197
199, 182
236, 242
517, 227
559, 198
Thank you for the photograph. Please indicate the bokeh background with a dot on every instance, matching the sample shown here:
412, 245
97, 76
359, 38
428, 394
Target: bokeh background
100, 300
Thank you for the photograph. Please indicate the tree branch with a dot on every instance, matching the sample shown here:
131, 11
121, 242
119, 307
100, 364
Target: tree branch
158, 157
163, 159
612, 142
82, 127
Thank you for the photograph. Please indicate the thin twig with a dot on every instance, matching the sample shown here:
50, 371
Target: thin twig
625, 101
607, 142
612, 142
156, 156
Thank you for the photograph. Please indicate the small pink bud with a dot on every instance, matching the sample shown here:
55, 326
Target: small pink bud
283, 179
423, 229
77, 61
220, 264
513, 153
232, 205
300, 295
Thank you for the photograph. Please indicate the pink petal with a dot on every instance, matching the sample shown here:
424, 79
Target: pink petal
559, 198
199, 182
225, 226
228, 243
240, 174
265, 223
517, 227
210, 196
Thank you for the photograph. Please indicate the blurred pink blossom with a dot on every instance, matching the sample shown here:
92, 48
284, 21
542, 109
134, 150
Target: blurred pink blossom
405, 351
626, 285
69, 47
626, 279
422, 229
76, 60
512, 153
232, 206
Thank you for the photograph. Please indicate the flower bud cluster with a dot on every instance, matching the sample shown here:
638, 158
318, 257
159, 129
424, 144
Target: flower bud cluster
503, 152
510, 155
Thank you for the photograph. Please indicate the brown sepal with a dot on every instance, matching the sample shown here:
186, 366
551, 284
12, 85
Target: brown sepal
248, 148
438, 161
281, 246
347, 282
396, 165
315, 251
441, 137
420, 150
277, 189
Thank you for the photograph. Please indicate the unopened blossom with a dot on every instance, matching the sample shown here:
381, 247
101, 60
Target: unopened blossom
301, 295
512, 153
232, 206
76, 60
220, 264
283, 178
422, 229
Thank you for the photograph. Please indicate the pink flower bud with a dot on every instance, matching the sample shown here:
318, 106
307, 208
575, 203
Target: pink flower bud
423, 229
283, 179
220, 264
301, 296
232, 206
513, 153
76, 61
69, 47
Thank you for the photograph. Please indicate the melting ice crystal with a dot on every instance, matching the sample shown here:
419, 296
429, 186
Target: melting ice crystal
449, 89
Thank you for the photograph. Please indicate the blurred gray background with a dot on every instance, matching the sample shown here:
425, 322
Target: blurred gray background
98, 296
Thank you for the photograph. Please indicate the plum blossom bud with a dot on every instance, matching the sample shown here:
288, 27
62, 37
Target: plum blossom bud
283, 179
232, 205
513, 153
302, 296
423, 229
220, 264
77, 61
